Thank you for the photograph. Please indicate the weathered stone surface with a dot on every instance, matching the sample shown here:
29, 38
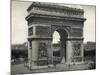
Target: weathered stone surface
30, 31
45, 19
77, 32
43, 31
58, 10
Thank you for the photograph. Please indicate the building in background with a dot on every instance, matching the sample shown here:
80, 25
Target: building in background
19, 52
90, 49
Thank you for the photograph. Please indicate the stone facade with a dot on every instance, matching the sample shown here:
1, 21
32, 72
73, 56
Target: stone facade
44, 19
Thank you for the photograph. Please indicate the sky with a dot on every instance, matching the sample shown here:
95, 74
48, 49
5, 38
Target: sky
20, 27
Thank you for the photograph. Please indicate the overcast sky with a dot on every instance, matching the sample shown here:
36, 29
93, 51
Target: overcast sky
20, 28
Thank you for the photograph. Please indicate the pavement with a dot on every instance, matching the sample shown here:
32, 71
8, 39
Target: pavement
21, 69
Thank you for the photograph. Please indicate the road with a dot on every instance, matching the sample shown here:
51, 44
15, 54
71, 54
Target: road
20, 69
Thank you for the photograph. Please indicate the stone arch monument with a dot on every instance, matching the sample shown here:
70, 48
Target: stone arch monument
43, 19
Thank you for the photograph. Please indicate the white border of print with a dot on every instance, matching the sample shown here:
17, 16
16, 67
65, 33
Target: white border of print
5, 36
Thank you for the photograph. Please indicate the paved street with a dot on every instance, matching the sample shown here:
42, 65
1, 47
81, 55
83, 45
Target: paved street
20, 69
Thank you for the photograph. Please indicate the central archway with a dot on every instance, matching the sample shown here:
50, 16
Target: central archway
59, 44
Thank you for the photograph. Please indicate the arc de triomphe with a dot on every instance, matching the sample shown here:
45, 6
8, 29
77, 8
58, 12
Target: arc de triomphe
43, 19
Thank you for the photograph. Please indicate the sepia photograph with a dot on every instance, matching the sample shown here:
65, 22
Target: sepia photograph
52, 37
